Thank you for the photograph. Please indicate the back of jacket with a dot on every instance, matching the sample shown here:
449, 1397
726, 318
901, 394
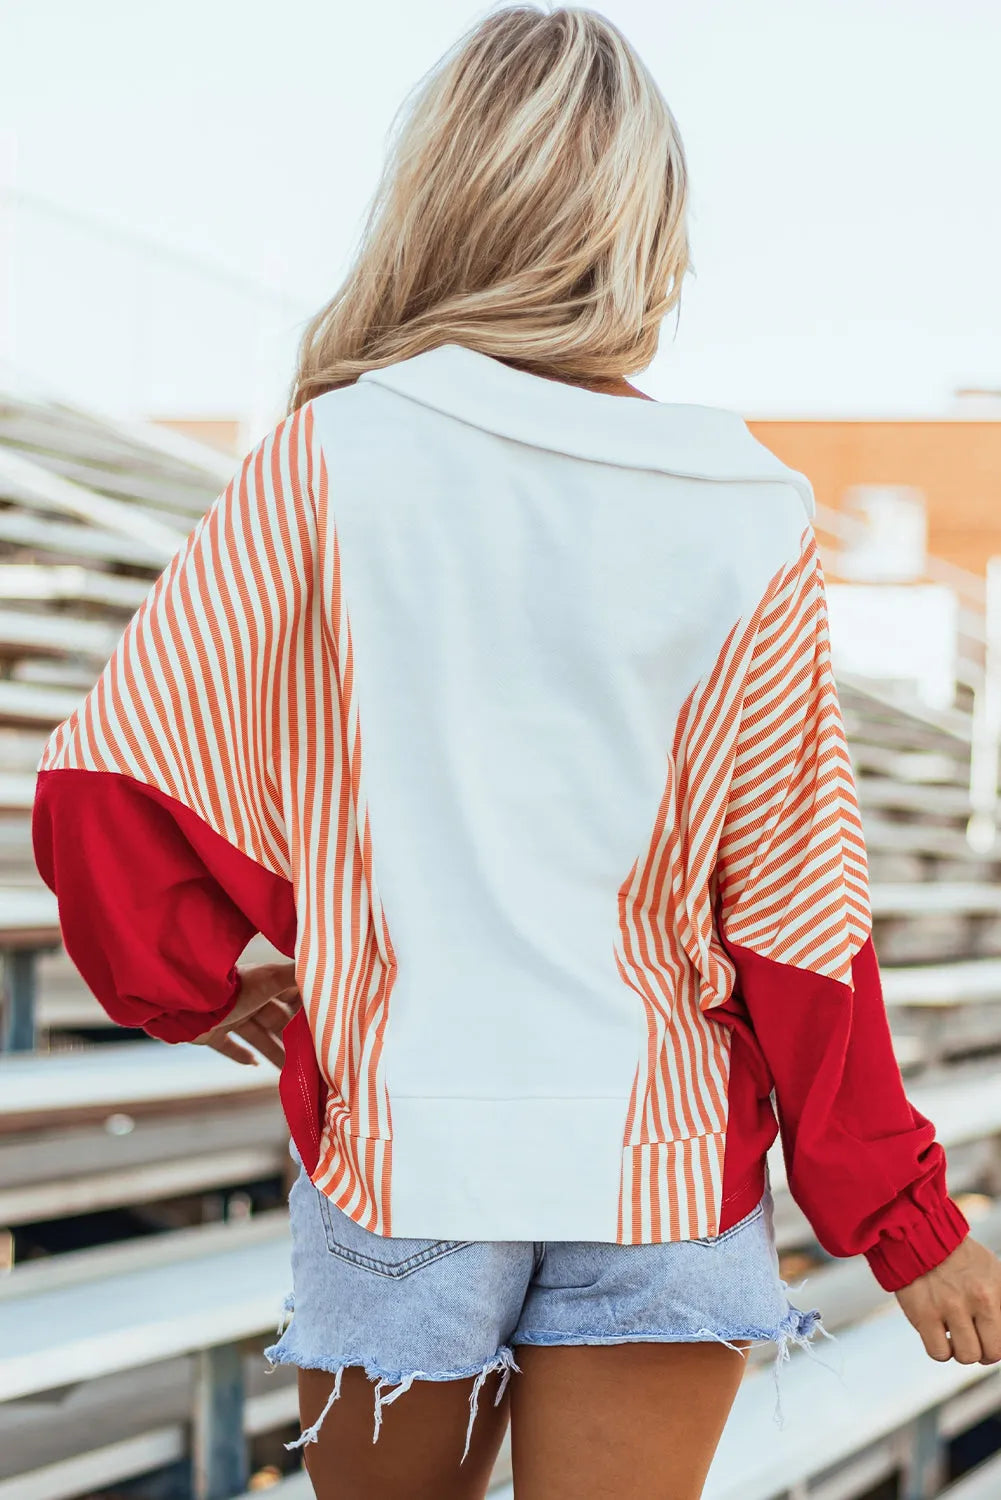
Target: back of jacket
528, 625
507, 707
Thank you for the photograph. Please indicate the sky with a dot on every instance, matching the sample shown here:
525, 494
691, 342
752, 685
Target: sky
189, 179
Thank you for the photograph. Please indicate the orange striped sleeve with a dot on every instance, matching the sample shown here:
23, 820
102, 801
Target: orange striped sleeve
791, 872
792, 911
187, 705
161, 814
232, 693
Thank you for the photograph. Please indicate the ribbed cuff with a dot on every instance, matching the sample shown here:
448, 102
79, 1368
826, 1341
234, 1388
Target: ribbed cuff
901, 1255
186, 1025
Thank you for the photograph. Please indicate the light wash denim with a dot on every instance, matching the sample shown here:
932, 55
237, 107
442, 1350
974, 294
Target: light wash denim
406, 1310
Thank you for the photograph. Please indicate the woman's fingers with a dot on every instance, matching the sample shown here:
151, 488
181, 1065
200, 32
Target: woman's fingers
259, 985
984, 1302
267, 1001
988, 1326
963, 1338
275, 1015
289, 997
267, 1043
263, 981
259, 1021
934, 1337
956, 1307
227, 1044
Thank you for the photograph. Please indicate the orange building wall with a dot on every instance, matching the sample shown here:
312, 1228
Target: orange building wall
220, 432
957, 465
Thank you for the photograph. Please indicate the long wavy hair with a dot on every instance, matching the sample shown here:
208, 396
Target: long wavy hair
533, 206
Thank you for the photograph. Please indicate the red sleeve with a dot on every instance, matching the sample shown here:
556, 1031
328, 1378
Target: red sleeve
793, 914
155, 907
863, 1163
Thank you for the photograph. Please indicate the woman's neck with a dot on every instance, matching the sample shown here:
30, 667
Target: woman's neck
615, 385
605, 385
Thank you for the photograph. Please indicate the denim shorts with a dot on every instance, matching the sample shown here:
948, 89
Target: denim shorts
406, 1310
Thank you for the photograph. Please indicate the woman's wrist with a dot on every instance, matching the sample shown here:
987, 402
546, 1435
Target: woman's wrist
912, 1249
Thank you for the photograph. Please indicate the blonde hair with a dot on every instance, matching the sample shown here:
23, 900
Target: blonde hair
533, 207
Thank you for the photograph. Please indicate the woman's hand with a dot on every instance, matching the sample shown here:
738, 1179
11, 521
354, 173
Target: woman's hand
960, 1298
267, 1001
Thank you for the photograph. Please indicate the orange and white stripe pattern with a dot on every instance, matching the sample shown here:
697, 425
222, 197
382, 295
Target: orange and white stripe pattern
348, 964
758, 813
792, 874
232, 691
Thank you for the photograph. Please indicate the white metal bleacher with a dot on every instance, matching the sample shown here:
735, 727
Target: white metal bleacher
17, 793
127, 1075
45, 492
146, 1301
27, 908
64, 539
58, 635
976, 979
121, 1308
880, 1402
57, 582
29, 925
29, 705
132, 1124
926, 898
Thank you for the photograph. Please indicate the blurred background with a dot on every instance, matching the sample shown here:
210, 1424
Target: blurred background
180, 187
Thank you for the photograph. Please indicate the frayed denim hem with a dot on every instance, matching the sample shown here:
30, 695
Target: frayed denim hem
797, 1328
502, 1363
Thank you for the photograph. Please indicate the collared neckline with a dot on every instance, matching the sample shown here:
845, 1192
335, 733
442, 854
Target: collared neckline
695, 442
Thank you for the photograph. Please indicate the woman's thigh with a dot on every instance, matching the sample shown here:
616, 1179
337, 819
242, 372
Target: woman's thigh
420, 1440
620, 1421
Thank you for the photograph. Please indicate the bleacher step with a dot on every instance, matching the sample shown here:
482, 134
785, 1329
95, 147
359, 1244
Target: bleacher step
943, 984
874, 1381
933, 898
940, 802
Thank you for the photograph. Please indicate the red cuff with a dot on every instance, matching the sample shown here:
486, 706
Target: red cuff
903, 1254
186, 1025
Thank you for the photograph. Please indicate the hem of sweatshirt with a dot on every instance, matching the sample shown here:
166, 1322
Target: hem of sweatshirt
539, 1168
525, 1167
739, 1202
900, 1257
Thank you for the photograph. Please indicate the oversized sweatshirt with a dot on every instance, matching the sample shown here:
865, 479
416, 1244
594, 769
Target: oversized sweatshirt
505, 708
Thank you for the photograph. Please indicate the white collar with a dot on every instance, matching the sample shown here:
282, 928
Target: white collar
695, 442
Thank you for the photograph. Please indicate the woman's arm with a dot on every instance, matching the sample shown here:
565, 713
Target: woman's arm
160, 809
155, 907
793, 915
863, 1163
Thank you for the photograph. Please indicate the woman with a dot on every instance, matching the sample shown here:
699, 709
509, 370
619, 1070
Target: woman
499, 698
